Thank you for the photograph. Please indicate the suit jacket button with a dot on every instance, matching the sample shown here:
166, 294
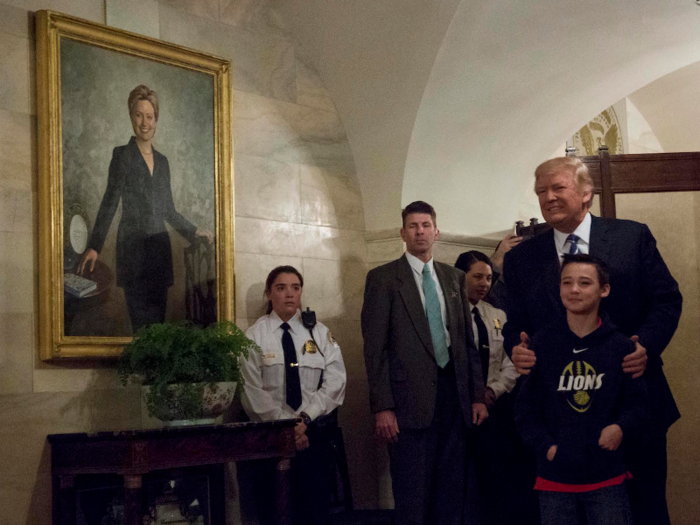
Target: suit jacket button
433, 383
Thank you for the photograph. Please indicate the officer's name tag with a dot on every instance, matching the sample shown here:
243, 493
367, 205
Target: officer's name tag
269, 356
310, 347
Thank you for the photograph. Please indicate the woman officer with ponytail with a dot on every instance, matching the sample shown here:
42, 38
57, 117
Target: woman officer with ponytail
299, 374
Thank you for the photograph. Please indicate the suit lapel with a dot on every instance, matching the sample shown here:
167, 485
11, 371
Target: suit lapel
599, 241
414, 306
552, 268
139, 169
450, 289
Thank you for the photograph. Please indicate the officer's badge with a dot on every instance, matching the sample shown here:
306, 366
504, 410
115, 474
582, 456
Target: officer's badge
310, 347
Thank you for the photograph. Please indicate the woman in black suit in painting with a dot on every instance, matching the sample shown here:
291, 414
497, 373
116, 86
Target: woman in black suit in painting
139, 176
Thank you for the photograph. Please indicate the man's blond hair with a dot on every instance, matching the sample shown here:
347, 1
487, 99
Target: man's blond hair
573, 165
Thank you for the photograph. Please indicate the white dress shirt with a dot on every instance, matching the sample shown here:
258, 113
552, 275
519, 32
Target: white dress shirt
584, 234
265, 392
417, 267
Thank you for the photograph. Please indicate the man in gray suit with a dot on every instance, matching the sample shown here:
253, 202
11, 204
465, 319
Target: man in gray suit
424, 373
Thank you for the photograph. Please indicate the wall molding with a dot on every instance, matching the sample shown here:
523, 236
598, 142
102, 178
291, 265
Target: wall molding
393, 234
386, 245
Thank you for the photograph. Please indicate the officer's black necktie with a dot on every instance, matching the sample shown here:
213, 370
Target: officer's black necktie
291, 369
484, 349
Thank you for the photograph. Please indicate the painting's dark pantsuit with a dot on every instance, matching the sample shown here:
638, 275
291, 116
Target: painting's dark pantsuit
144, 254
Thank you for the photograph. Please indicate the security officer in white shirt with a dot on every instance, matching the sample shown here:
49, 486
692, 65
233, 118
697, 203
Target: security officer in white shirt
299, 374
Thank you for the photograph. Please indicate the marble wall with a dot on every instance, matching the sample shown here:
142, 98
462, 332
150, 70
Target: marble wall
297, 201
386, 245
678, 239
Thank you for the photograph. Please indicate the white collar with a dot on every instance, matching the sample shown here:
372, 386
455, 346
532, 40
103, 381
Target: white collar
418, 265
479, 306
582, 231
276, 322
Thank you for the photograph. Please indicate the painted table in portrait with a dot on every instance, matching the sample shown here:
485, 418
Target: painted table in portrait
135, 186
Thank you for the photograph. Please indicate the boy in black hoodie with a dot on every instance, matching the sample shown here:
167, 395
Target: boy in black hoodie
577, 405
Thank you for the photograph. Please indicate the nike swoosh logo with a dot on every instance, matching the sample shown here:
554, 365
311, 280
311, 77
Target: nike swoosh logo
579, 351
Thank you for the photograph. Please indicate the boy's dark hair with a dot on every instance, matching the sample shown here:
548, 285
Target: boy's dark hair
466, 259
584, 258
418, 207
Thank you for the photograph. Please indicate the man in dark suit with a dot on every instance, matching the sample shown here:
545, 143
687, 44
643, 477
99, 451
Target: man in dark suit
644, 304
424, 373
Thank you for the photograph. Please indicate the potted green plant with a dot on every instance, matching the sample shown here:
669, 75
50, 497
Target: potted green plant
189, 373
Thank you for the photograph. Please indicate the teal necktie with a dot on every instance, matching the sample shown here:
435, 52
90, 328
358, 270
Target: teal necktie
432, 310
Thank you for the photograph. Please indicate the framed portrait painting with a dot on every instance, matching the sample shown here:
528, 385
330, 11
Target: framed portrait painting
135, 186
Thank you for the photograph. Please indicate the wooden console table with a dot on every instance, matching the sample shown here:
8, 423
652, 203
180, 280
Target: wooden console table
133, 453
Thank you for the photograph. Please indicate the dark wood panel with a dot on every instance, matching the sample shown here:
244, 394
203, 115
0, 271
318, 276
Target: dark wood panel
648, 173
655, 173
593, 164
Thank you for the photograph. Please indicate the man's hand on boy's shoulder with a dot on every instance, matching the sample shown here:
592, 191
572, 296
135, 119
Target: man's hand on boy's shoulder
636, 362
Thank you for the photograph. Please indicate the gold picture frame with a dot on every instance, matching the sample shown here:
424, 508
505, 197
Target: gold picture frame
85, 72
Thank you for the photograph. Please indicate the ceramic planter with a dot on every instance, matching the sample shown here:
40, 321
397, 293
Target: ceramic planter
189, 404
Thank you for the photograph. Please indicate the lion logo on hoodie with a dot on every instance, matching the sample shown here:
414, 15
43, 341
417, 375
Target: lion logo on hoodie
579, 380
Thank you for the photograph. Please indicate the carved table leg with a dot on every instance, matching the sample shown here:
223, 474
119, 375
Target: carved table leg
284, 516
132, 500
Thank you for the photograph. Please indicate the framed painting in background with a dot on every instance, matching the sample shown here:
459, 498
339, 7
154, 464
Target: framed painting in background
115, 225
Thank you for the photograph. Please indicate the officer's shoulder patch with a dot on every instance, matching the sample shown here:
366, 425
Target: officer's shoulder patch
331, 339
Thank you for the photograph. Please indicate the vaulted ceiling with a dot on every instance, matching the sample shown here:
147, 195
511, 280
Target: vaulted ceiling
455, 102
671, 106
